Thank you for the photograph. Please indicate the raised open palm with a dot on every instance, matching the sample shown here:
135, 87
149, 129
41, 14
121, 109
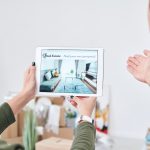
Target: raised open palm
139, 67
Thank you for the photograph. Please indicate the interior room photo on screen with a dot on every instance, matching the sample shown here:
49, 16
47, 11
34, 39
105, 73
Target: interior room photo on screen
68, 76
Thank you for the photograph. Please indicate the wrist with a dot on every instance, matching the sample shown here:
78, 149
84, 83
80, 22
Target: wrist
23, 95
83, 118
86, 114
18, 102
82, 121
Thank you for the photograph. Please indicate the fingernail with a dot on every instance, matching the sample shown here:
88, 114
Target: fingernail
71, 97
33, 63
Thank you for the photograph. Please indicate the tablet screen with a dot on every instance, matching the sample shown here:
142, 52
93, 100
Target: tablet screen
69, 71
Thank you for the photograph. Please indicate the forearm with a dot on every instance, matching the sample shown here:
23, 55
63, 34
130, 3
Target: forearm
18, 102
10, 109
84, 137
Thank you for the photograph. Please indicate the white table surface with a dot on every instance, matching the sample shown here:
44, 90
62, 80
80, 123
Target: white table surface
122, 144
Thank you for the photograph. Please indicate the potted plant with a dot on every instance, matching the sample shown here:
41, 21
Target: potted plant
29, 133
70, 118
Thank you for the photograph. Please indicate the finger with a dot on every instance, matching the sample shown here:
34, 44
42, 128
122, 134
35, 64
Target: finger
32, 69
129, 58
26, 73
32, 72
94, 98
132, 65
138, 61
140, 58
131, 70
63, 97
94, 101
73, 103
76, 99
134, 60
80, 97
33, 63
147, 52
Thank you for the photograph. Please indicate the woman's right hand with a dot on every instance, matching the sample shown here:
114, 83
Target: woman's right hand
85, 105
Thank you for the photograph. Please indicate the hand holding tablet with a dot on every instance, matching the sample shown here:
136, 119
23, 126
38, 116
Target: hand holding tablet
85, 105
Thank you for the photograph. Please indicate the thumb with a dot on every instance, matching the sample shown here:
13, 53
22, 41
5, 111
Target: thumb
32, 72
32, 68
147, 52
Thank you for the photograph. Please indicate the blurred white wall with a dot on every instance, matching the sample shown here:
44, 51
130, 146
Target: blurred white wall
118, 26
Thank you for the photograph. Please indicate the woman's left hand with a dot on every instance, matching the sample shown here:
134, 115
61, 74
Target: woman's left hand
29, 85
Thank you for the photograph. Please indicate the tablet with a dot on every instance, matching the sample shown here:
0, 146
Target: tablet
69, 71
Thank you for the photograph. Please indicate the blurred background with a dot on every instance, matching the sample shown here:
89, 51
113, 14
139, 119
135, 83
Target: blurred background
120, 27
